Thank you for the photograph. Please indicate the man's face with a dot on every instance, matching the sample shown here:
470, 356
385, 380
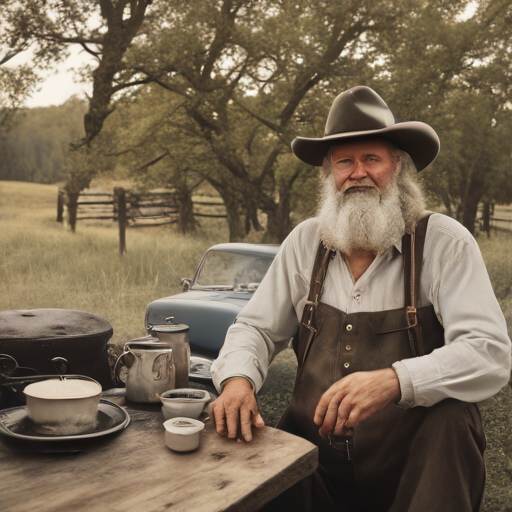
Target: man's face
362, 165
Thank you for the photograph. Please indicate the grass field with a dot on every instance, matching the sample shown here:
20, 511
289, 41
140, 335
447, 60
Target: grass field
44, 266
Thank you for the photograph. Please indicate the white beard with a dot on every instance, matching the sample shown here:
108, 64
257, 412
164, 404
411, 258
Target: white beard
368, 221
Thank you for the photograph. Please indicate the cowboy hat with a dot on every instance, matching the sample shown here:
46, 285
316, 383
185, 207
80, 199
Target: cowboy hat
361, 112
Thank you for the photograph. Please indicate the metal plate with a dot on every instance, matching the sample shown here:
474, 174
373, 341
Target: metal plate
200, 368
15, 423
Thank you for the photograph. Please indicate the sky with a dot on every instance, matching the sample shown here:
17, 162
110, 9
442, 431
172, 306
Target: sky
60, 84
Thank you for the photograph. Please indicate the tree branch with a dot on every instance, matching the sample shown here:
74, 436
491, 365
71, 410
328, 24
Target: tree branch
152, 162
120, 87
313, 74
222, 37
88, 50
11, 54
274, 127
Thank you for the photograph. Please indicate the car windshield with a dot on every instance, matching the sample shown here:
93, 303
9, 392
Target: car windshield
232, 271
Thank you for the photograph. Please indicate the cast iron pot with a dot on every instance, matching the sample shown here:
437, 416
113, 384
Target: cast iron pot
35, 336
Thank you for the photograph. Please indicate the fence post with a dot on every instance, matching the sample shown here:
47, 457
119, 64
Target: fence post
120, 202
486, 215
60, 205
70, 200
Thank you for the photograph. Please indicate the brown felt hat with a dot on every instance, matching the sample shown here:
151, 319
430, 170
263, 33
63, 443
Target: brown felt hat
361, 112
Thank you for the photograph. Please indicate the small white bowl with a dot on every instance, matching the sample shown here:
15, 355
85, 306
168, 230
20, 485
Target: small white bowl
182, 434
184, 402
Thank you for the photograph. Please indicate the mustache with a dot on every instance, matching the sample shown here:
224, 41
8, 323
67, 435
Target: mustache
360, 188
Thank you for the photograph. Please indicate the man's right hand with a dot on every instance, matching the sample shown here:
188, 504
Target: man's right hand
236, 407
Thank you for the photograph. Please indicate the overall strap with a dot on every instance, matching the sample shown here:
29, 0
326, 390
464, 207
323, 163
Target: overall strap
322, 260
412, 250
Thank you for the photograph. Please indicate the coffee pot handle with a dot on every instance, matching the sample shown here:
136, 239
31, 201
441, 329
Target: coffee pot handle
121, 370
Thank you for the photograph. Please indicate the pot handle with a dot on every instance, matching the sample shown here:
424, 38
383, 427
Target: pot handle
121, 370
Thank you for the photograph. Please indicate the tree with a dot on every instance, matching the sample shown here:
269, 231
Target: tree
247, 93
462, 88
36, 145
50, 27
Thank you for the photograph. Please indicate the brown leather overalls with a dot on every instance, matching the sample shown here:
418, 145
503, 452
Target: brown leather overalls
419, 459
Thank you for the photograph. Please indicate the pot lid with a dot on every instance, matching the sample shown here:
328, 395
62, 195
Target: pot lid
170, 327
53, 389
39, 324
183, 426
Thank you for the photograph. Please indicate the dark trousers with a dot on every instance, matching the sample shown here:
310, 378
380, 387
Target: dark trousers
444, 472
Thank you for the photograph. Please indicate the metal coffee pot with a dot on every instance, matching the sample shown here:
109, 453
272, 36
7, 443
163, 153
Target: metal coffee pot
147, 368
175, 335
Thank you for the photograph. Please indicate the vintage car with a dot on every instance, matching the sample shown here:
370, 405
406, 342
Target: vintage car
225, 280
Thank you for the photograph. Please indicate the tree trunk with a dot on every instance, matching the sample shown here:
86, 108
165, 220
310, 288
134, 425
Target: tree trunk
487, 218
236, 229
186, 220
279, 223
71, 200
471, 207
235, 224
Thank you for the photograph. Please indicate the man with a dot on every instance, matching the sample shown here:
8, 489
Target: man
396, 329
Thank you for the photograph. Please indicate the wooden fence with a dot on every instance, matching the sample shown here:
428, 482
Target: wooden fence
130, 209
500, 219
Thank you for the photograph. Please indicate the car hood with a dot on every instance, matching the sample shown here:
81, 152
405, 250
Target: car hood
208, 314
236, 298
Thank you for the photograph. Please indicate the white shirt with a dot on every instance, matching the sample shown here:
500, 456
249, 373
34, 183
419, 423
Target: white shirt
473, 365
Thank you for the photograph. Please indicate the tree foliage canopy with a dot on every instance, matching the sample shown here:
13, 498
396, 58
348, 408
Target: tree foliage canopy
216, 91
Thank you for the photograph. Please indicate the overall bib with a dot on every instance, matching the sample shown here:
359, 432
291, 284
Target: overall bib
421, 459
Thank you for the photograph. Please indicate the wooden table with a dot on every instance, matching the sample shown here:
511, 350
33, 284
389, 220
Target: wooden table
135, 471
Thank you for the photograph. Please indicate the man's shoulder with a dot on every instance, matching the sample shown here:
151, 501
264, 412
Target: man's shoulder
302, 242
306, 234
444, 230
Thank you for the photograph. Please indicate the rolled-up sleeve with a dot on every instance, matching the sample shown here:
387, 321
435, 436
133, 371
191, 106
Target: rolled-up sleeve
474, 364
268, 322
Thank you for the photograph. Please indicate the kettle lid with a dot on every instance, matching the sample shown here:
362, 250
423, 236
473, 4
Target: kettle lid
174, 328
170, 326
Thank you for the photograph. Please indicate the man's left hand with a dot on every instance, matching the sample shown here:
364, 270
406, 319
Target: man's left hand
355, 398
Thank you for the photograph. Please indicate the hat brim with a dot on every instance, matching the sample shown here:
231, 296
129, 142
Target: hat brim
418, 139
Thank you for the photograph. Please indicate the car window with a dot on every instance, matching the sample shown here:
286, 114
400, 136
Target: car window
232, 271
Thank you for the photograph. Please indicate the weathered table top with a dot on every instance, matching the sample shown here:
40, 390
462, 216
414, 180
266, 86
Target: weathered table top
134, 471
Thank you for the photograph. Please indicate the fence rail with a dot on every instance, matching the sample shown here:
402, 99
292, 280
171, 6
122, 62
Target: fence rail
128, 209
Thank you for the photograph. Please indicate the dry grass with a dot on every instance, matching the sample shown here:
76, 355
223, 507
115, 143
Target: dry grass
44, 266
497, 254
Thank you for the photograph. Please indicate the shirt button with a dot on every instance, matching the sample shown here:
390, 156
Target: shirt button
349, 327
357, 297
346, 365
348, 347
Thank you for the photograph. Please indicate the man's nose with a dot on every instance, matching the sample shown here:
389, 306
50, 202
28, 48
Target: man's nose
359, 171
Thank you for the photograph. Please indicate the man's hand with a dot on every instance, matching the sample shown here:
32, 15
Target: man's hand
237, 406
355, 398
